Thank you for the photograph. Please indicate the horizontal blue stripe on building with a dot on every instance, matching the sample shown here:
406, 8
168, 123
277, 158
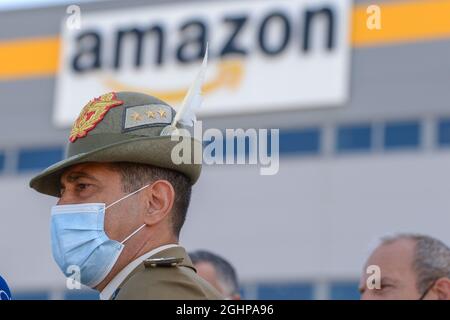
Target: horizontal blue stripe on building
348, 138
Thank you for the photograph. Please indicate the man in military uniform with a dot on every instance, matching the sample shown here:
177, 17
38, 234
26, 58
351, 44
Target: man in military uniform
123, 201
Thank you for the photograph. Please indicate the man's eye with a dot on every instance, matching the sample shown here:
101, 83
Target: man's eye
385, 286
82, 186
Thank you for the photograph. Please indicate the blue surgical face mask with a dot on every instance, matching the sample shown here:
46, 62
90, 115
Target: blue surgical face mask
79, 240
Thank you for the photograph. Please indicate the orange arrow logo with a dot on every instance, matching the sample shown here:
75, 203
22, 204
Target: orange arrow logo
229, 75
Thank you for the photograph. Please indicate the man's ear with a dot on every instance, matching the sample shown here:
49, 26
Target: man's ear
442, 289
159, 198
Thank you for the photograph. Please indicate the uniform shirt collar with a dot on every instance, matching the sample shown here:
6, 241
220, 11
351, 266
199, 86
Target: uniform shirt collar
112, 286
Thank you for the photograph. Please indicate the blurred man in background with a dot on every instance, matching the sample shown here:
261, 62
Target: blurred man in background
411, 267
218, 272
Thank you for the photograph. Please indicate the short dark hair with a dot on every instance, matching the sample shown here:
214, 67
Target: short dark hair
225, 271
136, 175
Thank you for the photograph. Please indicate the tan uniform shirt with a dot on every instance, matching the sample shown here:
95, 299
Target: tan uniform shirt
164, 273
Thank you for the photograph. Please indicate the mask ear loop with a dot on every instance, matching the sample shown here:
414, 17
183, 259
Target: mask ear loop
136, 231
128, 195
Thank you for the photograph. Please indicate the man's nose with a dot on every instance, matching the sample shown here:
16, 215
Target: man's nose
61, 201
66, 198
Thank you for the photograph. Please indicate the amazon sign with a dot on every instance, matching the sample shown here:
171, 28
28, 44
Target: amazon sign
267, 55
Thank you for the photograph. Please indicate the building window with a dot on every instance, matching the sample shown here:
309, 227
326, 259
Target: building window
444, 133
353, 138
402, 135
38, 159
304, 141
282, 291
344, 290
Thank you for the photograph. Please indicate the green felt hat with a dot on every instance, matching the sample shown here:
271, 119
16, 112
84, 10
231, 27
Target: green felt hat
119, 127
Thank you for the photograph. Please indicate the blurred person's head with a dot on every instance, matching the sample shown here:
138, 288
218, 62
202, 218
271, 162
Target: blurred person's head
218, 272
411, 267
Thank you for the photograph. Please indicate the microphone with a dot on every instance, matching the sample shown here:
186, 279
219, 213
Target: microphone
5, 293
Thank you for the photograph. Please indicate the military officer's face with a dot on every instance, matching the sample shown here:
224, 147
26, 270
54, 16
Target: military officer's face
99, 183
102, 183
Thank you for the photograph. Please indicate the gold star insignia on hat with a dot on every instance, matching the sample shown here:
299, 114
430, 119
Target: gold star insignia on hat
150, 114
146, 115
162, 113
136, 116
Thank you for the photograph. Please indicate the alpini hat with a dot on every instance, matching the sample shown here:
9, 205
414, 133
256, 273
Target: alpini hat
119, 127
130, 127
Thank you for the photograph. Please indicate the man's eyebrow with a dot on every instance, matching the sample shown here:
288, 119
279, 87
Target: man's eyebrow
388, 280
383, 280
74, 176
